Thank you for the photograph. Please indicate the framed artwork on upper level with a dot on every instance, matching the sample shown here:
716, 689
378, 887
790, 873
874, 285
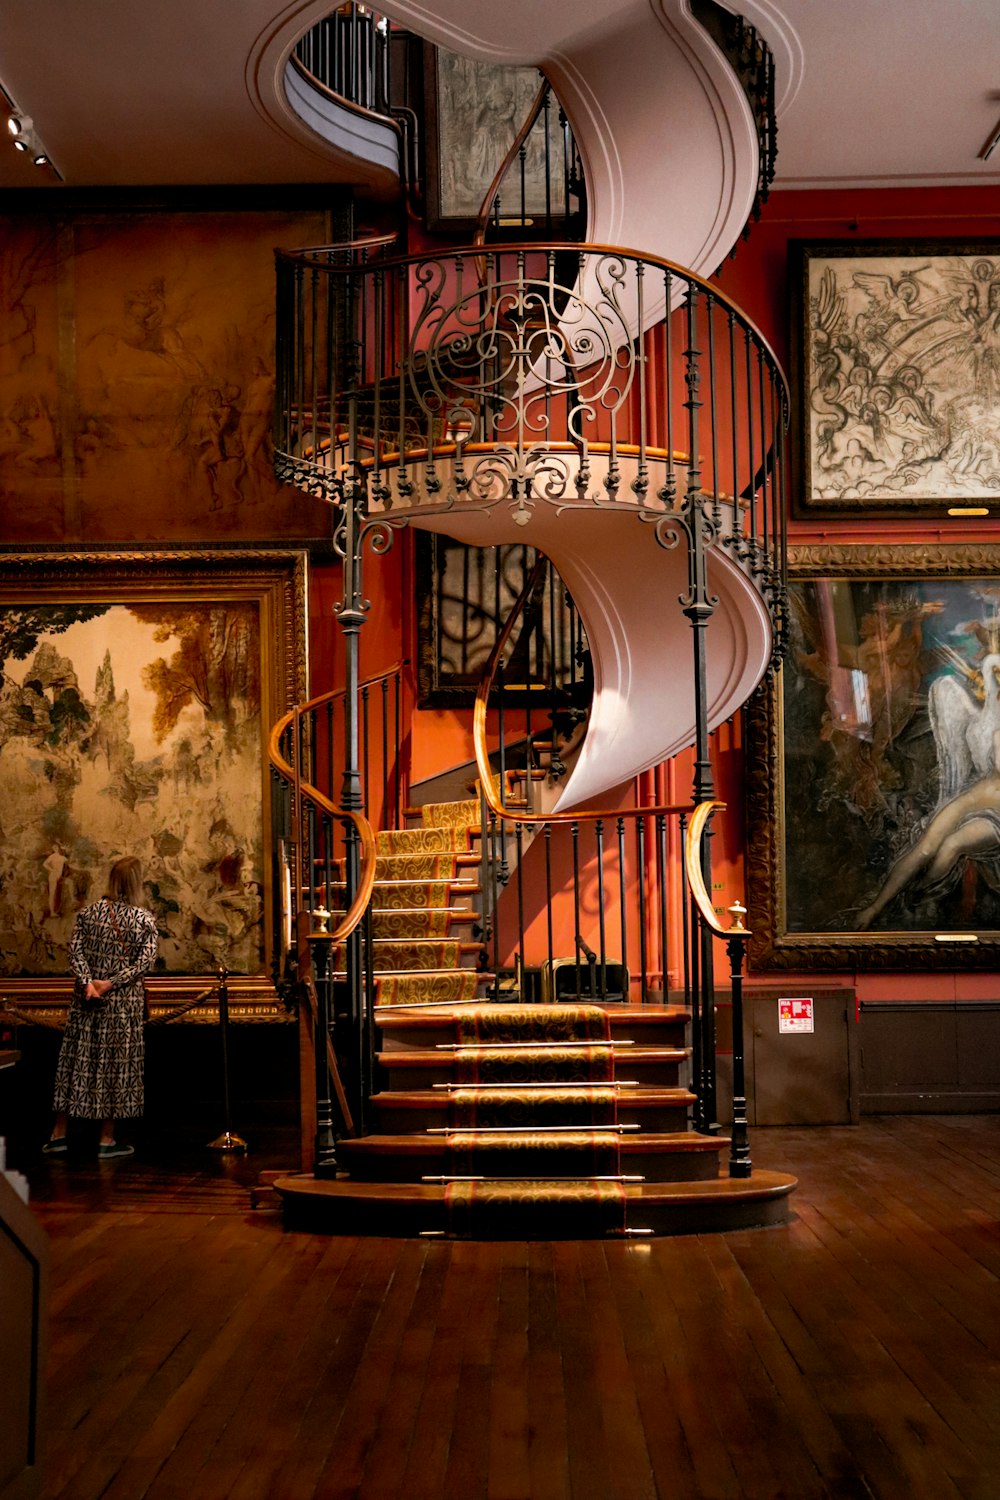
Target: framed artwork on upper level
137, 694
896, 378
473, 112
873, 764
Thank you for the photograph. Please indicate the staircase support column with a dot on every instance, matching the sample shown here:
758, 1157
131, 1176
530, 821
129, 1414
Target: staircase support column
351, 615
325, 1152
699, 606
739, 1157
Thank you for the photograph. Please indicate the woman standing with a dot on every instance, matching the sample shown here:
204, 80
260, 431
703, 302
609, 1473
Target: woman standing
100, 1067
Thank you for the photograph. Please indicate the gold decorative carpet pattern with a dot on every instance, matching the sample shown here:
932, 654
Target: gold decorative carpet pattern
536, 1065
416, 866
417, 953
425, 840
502, 1108
515, 1209
451, 814
533, 1104
411, 895
534, 1023
527, 1153
437, 988
394, 924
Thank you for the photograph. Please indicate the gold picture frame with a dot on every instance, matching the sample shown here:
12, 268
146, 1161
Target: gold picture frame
873, 778
138, 692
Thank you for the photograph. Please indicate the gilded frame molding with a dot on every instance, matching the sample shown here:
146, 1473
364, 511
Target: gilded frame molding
773, 945
273, 582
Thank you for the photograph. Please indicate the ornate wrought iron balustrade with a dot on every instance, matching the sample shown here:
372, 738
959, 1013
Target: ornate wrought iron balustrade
533, 378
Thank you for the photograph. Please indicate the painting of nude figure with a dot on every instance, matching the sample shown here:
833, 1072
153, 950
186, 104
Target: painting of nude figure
899, 378
133, 718
884, 732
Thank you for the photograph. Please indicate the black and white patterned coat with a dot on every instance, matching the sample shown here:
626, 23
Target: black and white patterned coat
99, 1075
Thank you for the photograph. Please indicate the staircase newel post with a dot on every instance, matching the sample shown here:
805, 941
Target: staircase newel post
325, 1153
739, 1156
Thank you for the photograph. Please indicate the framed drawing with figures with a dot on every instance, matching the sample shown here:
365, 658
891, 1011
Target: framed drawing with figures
896, 370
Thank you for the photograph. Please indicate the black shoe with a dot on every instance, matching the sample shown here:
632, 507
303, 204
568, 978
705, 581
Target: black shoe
113, 1149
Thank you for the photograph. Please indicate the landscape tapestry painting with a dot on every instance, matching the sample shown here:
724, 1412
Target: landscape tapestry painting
132, 728
900, 367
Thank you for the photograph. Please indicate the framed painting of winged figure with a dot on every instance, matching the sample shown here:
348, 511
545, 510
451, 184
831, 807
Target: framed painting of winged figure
897, 372
874, 790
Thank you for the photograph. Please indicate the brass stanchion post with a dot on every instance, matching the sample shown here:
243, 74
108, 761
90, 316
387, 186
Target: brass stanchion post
227, 1141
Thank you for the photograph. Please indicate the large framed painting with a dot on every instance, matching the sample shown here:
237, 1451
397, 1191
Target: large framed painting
874, 764
137, 694
896, 368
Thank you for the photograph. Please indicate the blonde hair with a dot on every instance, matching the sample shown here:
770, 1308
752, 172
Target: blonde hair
125, 881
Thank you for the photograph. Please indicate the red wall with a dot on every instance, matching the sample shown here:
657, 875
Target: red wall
757, 279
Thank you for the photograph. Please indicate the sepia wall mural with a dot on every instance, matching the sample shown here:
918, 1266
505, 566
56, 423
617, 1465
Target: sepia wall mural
137, 376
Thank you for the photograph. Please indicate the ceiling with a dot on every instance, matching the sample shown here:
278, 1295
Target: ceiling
870, 92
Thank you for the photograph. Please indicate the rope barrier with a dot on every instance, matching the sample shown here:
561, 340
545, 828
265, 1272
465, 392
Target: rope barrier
51, 1023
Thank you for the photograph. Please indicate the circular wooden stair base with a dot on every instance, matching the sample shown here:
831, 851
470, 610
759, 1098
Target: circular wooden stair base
344, 1206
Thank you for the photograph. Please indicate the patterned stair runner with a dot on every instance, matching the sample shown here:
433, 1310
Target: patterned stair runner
532, 1149
425, 946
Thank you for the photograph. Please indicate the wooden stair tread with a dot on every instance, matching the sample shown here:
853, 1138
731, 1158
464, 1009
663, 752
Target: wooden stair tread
457, 913
408, 973
713, 1205
745, 1189
420, 1143
425, 1057
415, 1017
438, 1098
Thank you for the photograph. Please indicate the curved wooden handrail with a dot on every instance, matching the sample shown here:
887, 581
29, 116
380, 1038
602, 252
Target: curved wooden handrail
365, 832
696, 883
479, 236
530, 247
334, 693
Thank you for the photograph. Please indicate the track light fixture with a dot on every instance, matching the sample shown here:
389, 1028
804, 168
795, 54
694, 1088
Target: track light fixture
23, 138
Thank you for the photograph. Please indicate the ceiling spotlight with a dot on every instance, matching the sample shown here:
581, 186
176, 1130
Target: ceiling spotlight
40, 160
20, 145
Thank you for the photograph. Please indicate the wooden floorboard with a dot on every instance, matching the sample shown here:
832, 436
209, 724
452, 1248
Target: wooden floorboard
198, 1351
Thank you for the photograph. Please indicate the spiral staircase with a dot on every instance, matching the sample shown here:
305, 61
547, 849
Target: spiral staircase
615, 412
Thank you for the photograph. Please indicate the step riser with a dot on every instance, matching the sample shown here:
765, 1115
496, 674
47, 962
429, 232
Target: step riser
393, 1120
674, 1166
648, 1075
423, 1034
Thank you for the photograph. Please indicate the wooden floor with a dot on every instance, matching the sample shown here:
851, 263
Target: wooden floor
199, 1352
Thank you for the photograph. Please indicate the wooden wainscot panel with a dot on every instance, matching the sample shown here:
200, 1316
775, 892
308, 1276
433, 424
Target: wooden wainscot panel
928, 1058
